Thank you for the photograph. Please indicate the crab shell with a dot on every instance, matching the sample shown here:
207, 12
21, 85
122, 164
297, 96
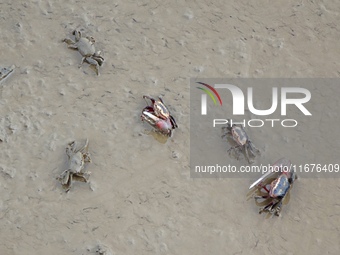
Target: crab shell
86, 47
279, 187
76, 163
239, 135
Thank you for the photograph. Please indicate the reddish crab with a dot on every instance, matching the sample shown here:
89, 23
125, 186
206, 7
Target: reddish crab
158, 116
278, 188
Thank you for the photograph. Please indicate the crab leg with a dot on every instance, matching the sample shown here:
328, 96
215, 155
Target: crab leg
147, 97
273, 207
173, 122
70, 43
64, 176
83, 177
262, 197
91, 61
85, 147
268, 207
149, 117
247, 155
252, 148
160, 99
98, 58
226, 132
82, 61
265, 188
68, 184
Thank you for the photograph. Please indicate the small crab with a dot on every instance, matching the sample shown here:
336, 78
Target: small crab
278, 189
76, 162
158, 116
240, 137
85, 46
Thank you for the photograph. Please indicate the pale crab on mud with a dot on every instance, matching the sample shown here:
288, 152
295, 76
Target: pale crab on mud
243, 143
158, 116
85, 46
277, 189
77, 157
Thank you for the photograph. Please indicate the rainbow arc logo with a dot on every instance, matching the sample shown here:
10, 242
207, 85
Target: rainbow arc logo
204, 96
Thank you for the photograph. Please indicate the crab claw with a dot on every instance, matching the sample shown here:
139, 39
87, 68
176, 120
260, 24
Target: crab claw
261, 179
164, 126
282, 165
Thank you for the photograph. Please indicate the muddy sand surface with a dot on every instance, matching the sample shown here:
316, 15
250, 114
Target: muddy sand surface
141, 199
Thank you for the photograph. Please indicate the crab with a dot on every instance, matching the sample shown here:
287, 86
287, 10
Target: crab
85, 46
6, 72
158, 116
278, 189
77, 158
243, 143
